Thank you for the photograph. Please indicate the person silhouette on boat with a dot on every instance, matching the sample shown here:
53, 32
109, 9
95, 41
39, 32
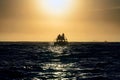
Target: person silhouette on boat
63, 37
58, 37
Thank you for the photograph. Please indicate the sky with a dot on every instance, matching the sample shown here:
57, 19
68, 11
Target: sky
80, 20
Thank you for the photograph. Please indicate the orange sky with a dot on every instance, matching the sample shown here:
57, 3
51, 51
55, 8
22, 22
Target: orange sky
84, 20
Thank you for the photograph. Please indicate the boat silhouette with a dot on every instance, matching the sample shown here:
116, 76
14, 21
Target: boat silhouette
61, 40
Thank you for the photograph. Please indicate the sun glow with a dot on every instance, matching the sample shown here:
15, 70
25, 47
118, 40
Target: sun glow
56, 7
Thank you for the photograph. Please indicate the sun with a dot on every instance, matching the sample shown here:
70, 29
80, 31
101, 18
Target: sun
56, 7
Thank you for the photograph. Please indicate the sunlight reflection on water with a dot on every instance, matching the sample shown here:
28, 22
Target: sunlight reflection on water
57, 70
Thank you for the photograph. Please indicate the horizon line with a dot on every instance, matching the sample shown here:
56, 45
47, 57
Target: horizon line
53, 41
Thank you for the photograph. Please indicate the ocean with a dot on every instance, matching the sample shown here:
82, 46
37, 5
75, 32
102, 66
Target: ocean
41, 61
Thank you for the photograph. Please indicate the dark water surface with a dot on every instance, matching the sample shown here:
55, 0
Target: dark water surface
78, 61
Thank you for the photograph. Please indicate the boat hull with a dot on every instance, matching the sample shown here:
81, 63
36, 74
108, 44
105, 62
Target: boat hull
60, 43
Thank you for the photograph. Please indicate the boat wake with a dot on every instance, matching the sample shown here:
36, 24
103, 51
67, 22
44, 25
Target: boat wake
58, 49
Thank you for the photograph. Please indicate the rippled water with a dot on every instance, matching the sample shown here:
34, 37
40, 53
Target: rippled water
78, 61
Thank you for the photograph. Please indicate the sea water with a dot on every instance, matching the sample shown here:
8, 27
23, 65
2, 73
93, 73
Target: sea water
78, 61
